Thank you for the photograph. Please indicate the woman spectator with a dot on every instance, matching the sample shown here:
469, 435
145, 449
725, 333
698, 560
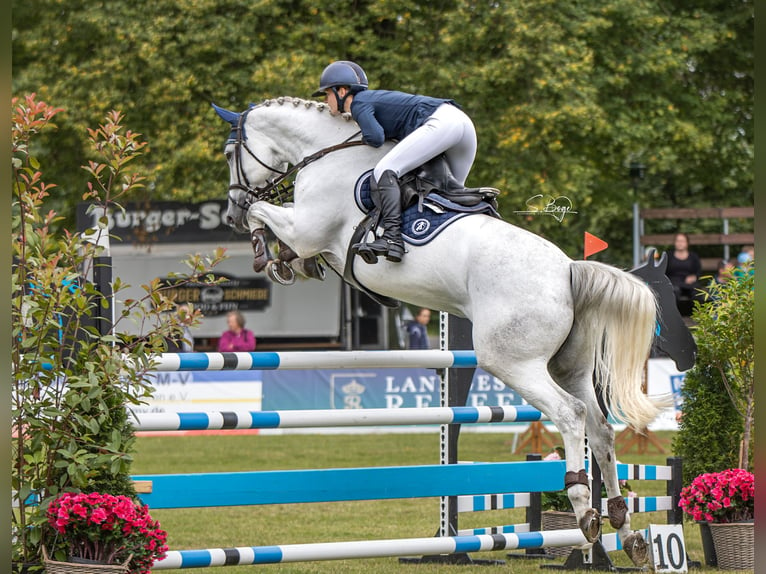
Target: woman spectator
683, 270
237, 338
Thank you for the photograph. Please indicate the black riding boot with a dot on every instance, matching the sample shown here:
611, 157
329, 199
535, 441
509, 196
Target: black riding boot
388, 197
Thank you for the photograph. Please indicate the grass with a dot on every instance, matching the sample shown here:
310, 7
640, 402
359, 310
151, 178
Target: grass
325, 522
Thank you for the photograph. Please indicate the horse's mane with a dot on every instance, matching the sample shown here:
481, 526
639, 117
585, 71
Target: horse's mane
308, 104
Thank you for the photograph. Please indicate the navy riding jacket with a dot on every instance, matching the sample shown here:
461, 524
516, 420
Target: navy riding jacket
385, 115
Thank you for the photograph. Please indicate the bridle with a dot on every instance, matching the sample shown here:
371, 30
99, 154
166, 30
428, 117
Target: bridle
279, 189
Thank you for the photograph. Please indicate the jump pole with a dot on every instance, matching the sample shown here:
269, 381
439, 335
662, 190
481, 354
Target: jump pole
332, 418
440, 545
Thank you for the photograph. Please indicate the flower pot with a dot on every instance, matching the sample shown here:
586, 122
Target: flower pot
734, 545
708, 548
555, 520
83, 567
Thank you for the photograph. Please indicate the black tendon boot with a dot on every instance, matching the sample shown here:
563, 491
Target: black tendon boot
387, 195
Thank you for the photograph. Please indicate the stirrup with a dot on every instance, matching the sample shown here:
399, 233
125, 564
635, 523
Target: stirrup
363, 250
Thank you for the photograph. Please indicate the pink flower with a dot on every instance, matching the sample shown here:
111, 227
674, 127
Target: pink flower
98, 516
80, 510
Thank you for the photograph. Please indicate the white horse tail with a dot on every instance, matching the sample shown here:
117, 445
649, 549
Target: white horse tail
616, 314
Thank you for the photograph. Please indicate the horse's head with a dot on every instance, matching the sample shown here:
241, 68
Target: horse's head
673, 336
254, 161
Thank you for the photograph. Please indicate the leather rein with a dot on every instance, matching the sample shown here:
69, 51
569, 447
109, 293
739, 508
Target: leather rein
279, 189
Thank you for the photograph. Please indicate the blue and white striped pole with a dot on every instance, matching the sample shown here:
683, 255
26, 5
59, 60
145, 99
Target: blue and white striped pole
431, 359
367, 549
333, 418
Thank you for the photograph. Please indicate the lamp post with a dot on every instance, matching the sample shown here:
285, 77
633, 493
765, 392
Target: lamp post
637, 172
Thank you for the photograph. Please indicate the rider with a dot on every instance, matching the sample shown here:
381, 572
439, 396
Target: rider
425, 127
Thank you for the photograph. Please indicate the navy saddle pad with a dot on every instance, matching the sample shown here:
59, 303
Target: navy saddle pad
420, 227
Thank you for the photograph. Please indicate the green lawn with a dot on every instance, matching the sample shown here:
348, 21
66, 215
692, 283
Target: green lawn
325, 522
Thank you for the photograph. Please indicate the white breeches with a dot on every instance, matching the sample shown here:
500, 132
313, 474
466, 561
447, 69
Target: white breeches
449, 131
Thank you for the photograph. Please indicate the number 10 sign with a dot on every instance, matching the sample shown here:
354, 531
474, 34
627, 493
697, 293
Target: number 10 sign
668, 548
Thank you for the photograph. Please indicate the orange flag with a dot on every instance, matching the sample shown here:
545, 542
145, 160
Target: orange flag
593, 245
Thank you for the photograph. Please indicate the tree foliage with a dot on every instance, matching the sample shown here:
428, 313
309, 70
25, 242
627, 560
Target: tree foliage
564, 94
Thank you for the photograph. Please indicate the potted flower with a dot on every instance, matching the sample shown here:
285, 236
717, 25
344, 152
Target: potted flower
115, 532
725, 501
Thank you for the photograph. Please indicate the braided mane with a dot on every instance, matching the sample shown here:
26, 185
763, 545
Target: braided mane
308, 104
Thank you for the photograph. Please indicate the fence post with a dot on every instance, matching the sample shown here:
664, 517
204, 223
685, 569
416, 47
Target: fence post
534, 512
674, 486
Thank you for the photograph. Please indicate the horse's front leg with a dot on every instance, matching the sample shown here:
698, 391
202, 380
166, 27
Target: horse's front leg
281, 220
278, 219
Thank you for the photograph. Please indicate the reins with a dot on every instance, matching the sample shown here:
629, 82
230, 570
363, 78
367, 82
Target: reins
280, 189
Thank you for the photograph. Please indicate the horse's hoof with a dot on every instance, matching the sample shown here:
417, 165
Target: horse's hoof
636, 548
280, 272
590, 524
313, 269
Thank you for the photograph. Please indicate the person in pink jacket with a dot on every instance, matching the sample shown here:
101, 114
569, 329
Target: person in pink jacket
237, 338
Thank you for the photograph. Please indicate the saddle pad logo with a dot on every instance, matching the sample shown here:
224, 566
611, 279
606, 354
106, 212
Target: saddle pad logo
420, 226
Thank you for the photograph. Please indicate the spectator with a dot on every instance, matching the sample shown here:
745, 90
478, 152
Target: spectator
683, 270
417, 330
745, 262
724, 271
237, 338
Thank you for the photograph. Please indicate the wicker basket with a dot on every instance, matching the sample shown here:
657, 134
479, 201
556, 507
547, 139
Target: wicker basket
734, 545
54, 567
555, 520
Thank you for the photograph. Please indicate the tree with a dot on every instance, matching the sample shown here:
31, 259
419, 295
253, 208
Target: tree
564, 95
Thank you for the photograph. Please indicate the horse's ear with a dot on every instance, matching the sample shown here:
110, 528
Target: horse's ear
227, 115
662, 264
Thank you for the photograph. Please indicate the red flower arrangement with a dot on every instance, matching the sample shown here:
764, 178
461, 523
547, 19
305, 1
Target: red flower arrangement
108, 529
720, 497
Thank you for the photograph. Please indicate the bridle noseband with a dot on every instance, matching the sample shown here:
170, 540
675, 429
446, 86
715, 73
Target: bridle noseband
279, 189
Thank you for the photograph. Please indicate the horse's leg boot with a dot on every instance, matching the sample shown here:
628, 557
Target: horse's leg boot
313, 269
388, 195
261, 255
286, 252
617, 510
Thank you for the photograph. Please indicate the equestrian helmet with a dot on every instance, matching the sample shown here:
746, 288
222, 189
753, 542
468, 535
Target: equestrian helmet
342, 73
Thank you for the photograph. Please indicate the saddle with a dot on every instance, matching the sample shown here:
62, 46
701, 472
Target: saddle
435, 176
432, 199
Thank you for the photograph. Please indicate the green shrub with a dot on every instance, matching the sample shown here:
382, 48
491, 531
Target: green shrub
74, 377
716, 427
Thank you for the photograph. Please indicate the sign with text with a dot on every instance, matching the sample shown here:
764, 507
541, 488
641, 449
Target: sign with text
667, 547
202, 391
229, 293
163, 222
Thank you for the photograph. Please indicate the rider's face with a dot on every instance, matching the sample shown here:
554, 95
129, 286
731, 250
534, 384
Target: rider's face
332, 101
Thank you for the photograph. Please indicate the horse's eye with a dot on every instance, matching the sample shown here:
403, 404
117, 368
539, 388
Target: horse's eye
228, 156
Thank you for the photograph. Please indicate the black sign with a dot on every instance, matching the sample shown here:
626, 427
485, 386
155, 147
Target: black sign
228, 294
164, 222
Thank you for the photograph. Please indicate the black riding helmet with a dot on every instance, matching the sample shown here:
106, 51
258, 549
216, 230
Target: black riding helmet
342, 73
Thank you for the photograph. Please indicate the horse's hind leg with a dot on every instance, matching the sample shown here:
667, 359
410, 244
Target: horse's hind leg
572, 368
531, 379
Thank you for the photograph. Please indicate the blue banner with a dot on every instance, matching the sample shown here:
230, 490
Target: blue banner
373, 388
